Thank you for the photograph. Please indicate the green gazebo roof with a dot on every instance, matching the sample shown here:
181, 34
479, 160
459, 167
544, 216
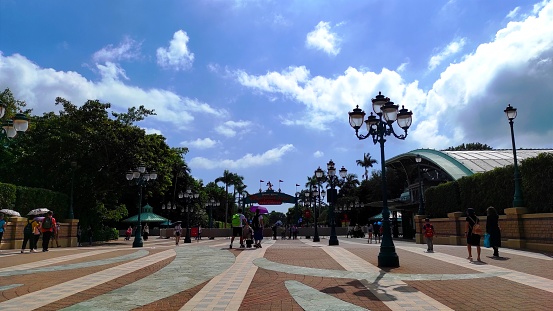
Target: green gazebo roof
147, 215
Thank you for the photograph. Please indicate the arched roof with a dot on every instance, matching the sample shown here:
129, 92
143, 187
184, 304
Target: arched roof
458, 164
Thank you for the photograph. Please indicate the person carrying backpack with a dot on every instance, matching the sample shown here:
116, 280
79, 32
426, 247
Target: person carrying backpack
428, 230
48, 227
28, 235
238, 221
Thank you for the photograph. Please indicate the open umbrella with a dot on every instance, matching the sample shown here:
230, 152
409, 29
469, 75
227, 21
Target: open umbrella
262, 209
9, 212
38, 211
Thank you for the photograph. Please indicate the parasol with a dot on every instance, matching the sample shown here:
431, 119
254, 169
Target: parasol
38, 211
262, 209
9, 212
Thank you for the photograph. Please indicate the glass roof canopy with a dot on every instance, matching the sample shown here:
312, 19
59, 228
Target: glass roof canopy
458, 164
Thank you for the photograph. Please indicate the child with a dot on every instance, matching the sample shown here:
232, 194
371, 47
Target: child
248, 235
128, 233
428, 230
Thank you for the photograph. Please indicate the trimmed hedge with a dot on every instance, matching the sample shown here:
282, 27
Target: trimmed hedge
24, 199
496, 188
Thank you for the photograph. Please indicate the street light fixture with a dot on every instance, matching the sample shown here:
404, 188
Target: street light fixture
211, 203
332, 195
317, 194
140, 177
421, 211
378, 128
188, 196
518, 201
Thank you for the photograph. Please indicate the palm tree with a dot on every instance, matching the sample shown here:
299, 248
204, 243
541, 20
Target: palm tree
227, 179
366, 163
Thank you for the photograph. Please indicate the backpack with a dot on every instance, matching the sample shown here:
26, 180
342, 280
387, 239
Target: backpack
255, 222
47, 223
236, 221
428, 232
28, 230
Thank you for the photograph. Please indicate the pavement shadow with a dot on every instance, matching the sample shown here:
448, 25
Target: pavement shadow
498, 258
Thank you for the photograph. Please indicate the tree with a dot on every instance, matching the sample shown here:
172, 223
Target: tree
366, 162
226, 179
104, 150
470, 146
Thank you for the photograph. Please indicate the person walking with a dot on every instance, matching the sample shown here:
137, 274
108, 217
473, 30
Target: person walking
238, 221
428, 230
28, 235
79, 234
56, 235
257, 224
146, 232
178, 232
370, 233
2, 227
48, 228
472, 233
199, 236
492, 228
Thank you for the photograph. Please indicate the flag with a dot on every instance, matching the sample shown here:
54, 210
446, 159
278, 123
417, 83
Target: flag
261, 180
297, 185
280, 180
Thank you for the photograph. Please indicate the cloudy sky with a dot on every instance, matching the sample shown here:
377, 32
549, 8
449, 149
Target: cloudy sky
263, 87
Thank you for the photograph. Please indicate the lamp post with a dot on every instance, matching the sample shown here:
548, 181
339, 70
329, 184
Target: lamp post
140, 177
332, 195
421, 211
17, 124
518, 201
211, 203
317, 194
378, 128
188, 196
73, 167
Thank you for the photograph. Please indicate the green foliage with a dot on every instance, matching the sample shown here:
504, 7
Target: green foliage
7, 195
442, 199
30, 198
537, 182
470, 146
496, 188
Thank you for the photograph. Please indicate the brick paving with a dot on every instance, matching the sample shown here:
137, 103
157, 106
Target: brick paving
284, 275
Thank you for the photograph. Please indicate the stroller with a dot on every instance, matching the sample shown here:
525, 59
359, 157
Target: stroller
248, 236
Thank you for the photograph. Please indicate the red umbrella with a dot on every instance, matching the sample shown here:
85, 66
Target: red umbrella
262, 209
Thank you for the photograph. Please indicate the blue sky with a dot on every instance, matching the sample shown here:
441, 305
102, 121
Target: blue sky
263, 88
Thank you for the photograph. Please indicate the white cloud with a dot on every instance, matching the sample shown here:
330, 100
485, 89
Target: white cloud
205, 143
150, 131
267, 158
321, 38
126, 50
40, 86
232, 128
514, 13
177, 56
452, 48
318, 154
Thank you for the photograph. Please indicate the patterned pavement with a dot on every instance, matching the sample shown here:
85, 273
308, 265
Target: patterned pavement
283, 275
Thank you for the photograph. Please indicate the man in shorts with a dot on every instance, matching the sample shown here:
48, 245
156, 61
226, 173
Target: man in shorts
238, 221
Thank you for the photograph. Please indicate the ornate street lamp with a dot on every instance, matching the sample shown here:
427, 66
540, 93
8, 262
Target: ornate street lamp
19, 123
378, 128
332, 181
317, 194
421, 211
211, 203
140, 177
188, 196
518, 201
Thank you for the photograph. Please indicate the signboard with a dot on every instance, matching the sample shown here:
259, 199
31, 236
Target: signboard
270, 197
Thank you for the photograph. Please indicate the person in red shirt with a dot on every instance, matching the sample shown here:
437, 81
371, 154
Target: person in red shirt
48, 227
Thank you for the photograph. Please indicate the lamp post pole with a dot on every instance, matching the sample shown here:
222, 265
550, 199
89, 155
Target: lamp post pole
378, 129
421, 211
71, 213
332, 196
140, 177
518, 201
317, 194
188, 196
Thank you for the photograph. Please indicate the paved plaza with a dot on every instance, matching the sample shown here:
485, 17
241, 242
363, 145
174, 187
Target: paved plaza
283, 275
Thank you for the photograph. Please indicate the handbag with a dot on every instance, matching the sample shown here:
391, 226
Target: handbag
476, 229
487, 242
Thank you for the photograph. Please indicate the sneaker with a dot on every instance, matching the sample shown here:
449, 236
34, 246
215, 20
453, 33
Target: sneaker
242, 246
22, 251
230, 246
33, 251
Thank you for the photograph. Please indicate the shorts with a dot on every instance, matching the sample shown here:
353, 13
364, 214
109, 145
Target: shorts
236, 231
177, 233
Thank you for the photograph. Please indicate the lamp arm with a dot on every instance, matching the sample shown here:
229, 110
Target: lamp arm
390, 131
